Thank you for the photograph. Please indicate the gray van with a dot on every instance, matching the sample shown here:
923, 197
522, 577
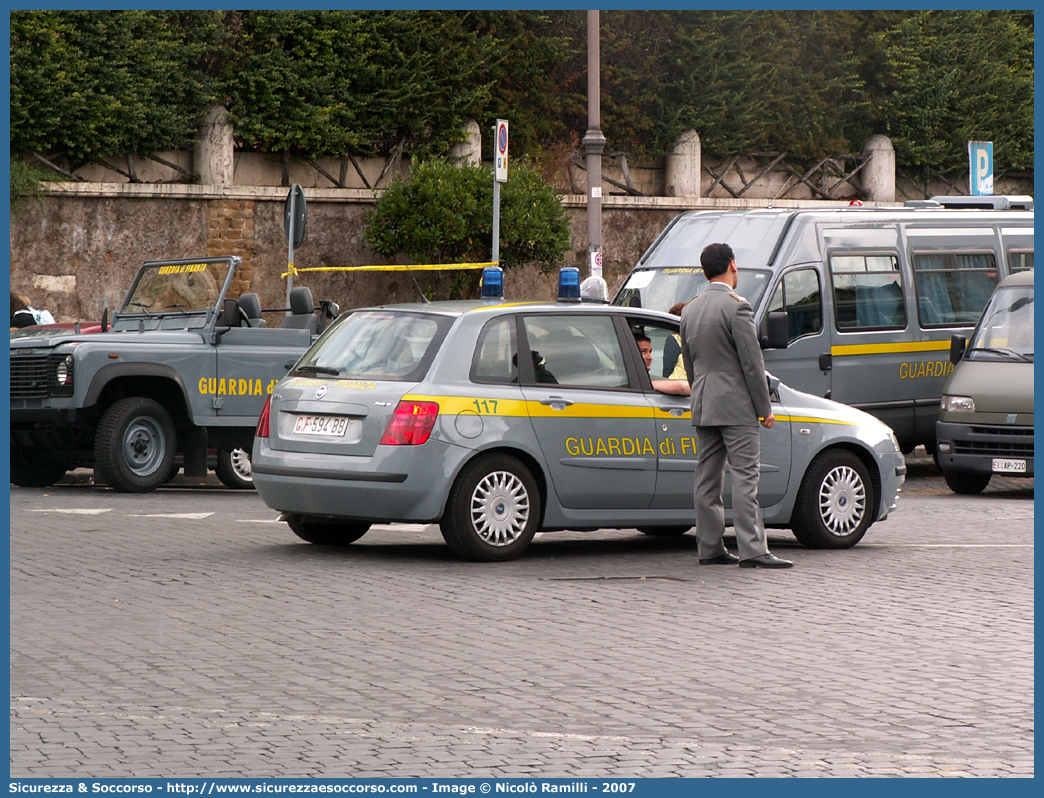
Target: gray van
856, 304
986, 422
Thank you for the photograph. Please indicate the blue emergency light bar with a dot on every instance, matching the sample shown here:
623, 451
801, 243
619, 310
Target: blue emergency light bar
492, 283
569, 284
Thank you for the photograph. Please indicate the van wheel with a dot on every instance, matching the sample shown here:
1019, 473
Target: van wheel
134, 445
327, 533
28, 471
233, 469
493, 510
664, 531
967, 483
835, 505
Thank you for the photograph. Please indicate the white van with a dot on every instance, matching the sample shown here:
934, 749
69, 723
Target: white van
986, 422
855, 304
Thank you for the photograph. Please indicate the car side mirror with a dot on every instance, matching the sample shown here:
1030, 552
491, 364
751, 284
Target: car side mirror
775, 330
957, 345
229, 314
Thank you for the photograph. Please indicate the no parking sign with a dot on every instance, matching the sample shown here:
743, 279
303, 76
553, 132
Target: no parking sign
500, 151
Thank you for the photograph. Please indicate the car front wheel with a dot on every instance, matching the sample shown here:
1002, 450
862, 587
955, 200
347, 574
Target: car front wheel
233, 469
835, 505
327, 533
493, 510
34, 471
967, 483
134, 445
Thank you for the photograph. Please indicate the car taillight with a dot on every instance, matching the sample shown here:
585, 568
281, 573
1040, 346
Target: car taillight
411, 423
262, 422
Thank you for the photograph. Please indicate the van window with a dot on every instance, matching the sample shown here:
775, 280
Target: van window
799, 294
953, 288
868, 291
1020, 261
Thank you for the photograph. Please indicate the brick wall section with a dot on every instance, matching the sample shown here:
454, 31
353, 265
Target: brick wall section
230, 232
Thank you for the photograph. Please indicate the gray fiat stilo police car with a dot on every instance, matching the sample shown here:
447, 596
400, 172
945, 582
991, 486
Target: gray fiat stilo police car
498, 420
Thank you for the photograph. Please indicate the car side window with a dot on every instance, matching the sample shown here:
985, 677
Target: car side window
868, 291
496, 354
799, 294
581, 351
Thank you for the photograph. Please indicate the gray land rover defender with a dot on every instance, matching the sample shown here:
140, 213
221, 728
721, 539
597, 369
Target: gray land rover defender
180, 370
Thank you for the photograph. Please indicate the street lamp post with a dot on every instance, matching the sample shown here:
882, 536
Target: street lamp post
594, 286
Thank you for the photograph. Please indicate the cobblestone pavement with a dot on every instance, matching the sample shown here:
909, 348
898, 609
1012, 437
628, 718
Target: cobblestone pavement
186, 633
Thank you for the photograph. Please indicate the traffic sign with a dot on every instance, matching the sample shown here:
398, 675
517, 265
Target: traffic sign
980, 164
295, 213
500, 151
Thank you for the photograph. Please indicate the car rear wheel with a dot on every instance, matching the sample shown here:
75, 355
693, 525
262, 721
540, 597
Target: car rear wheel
493, 510
134, 445
664, 531
327, 533
28, 471
967, 483
233, 469
835, 505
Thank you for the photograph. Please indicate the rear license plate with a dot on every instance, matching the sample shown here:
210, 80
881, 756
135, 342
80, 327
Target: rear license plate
333, 426
1009, 466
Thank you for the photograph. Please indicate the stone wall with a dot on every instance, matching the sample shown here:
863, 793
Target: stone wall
75, 250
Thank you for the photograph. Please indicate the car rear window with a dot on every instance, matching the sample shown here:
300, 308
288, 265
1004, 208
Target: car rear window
377, 345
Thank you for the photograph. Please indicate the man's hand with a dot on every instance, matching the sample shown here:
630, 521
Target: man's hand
768, 421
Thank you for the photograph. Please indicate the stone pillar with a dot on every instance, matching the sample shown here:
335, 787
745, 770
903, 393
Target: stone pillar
683, 166
213, 150
879, 172
469, 150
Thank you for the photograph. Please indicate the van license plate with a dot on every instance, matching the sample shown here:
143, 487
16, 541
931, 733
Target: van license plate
333, 426
1009, 466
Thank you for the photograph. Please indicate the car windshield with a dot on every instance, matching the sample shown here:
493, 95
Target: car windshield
377, 345
1005, 331
659, 289
176, 287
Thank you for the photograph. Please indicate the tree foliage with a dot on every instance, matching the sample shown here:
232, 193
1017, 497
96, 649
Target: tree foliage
334, 82
101, 83
959, 77
94, 84
443, 214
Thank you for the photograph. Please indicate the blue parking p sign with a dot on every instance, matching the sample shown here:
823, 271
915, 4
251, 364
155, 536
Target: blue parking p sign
980, 161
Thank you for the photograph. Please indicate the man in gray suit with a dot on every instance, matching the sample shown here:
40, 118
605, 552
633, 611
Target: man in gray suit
729, 397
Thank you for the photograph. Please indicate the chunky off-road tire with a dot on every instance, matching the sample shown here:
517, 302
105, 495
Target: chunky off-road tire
836, 503
664, 531
134, 446
493, 510
327, 533
28, 471
967, 483
233, 469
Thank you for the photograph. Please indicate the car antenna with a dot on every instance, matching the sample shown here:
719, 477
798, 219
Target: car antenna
424, 298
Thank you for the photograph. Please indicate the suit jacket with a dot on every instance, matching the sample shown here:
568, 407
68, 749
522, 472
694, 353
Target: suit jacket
721, 353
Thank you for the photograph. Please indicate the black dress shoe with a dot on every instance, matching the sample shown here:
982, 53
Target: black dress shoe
766, 561
721, 559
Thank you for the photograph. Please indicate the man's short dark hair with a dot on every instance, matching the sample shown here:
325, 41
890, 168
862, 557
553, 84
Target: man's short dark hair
715, 259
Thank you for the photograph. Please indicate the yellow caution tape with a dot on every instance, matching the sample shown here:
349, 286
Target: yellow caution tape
420, 267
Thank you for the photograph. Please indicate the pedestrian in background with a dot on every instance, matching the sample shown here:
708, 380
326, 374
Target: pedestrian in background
729, 397
23, 315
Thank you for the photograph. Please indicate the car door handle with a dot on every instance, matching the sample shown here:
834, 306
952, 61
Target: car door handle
825, 362
556, 402
674, 410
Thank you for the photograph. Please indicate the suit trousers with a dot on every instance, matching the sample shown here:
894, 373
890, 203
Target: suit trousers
741, 446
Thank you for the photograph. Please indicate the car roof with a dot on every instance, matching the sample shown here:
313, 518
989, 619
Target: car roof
492, 308
1019, 278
